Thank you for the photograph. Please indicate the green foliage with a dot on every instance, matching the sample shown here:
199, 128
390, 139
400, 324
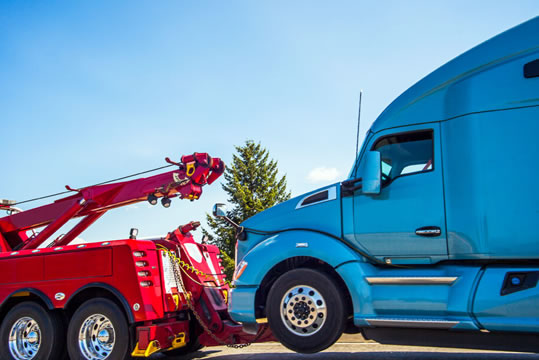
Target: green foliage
252, 185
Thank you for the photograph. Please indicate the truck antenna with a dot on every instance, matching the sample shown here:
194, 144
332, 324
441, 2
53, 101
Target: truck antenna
358, 121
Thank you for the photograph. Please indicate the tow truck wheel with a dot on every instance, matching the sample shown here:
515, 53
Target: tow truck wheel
98, 330
306, 311
31, 332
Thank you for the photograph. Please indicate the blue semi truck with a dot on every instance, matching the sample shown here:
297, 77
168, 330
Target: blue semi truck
434, 237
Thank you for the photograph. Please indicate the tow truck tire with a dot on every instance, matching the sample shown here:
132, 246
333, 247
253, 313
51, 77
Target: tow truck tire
306, 310
98, 330
37, 333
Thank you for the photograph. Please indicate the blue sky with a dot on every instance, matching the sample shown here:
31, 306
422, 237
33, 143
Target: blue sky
94, 90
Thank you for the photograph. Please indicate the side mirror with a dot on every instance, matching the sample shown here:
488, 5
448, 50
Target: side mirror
372, 173
219, 210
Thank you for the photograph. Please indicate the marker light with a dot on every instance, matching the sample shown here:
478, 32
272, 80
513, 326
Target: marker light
133, 233
166, 202
239, 270
146, 283
139, 253
141, 263
152, 199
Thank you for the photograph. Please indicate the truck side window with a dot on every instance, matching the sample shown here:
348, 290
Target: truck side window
405, 154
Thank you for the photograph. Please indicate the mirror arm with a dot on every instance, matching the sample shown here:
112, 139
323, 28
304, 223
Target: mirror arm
349, 186
357, 187
231, 222
348, 183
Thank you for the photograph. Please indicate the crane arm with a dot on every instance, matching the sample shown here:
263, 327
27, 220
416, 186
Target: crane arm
186, 182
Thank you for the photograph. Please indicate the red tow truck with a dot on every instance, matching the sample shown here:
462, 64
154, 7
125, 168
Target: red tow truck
113, 299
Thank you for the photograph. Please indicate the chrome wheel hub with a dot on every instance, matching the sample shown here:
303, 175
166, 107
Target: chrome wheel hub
96, 337
24, 339
303, 310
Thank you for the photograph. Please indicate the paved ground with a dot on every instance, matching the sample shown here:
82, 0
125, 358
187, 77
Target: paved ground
352, 351
351, 348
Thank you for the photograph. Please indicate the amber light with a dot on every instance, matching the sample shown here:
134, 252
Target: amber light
240, 269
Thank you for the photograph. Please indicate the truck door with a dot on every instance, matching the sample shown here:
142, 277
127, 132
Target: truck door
405, 223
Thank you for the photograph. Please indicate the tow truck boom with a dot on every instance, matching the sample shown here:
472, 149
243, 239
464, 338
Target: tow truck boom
193, 172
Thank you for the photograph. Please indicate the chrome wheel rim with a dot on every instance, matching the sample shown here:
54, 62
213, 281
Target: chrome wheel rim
24, 339
96, 337
303, 310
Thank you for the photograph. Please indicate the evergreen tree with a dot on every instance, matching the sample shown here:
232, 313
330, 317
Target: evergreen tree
252, 185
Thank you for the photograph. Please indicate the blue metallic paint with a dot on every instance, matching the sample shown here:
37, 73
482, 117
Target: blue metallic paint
518, 311
242, 299
325, 216
490, 184
385, 224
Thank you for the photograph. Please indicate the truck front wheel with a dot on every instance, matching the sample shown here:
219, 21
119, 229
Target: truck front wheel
306, 310
31, 332
98, 330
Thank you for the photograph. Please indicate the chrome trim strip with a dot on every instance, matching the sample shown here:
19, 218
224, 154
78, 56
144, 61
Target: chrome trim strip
332, 195
412, 280
428, 324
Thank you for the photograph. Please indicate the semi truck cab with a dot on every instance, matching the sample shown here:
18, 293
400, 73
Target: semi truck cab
432, 237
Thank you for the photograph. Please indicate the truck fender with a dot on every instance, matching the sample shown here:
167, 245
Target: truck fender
278, 248
117, 294
32, 291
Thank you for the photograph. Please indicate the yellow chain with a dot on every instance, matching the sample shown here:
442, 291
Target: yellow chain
186, 266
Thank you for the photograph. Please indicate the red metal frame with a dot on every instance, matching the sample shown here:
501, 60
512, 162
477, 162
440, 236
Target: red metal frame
92, 202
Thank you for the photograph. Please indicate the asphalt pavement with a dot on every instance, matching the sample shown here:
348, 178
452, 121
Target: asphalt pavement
350, 348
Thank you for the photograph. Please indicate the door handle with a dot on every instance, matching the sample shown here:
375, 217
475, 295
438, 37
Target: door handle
429, 231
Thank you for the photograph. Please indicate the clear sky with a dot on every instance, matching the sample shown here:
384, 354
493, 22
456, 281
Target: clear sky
94, 90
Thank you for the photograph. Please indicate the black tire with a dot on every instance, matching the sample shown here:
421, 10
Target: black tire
87, 316
306, 310
29, 315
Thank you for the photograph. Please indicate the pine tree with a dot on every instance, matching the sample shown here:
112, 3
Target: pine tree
252, 185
